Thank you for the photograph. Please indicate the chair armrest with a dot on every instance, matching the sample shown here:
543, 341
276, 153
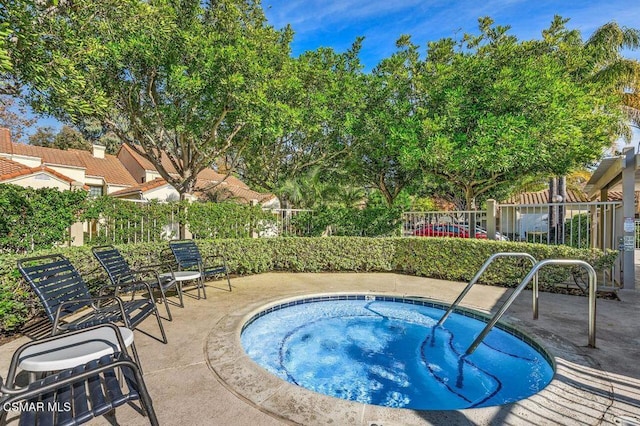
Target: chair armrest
219, 257
154, 268
92, 300
15, 360
119, 359
124, 286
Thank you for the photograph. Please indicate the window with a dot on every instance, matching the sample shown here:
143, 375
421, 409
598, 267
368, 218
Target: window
95, 191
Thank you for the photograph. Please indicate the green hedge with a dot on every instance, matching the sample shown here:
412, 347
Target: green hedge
451, 259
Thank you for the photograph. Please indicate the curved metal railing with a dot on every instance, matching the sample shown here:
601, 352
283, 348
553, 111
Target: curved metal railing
533, 272
481, 271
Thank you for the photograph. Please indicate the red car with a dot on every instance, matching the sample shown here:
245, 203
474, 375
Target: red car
447, 230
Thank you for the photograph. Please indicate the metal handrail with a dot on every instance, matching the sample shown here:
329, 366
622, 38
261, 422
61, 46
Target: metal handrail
481, 271
592, 299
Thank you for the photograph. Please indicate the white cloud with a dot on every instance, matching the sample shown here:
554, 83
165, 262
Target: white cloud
336, 23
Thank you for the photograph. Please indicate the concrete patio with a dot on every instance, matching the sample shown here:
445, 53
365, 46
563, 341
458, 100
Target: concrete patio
202, 377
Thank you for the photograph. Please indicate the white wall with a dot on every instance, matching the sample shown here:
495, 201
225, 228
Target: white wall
163, 193
40, 180
74, 173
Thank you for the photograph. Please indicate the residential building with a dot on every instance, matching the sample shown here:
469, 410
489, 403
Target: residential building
126, 175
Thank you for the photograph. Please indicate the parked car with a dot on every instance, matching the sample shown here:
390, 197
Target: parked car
452, 231
447, 230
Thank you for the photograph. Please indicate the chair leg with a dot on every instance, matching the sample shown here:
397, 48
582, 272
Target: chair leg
145, 398
164, 336
179, 291
228, 280
204, 292
135, 354
166, 303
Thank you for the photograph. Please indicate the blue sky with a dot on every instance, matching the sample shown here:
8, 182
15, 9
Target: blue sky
336, 23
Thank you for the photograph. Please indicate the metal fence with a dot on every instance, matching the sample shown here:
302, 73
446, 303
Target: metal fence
287, 223
145, 225
580, 225
442, 223
148, 225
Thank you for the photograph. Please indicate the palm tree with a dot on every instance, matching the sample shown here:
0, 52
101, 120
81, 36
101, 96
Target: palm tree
615, 72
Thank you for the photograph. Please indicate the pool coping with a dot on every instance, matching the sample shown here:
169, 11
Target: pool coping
289, 403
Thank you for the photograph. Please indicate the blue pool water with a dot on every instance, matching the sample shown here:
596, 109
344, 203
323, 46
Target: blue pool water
389, 353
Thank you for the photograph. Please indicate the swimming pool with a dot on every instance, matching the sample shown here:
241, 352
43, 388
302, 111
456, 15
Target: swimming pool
387, 351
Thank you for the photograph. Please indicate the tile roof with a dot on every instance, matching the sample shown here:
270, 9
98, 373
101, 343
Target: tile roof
542, 197
51, 156
146, 164
9, 166
207, 178
113, 171
206, 174
210, 176
140, 188
10, 169
109, 167
229, 191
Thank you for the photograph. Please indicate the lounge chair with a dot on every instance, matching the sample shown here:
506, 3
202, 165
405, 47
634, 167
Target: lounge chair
76, 395
188, 257
119, 272
65, 298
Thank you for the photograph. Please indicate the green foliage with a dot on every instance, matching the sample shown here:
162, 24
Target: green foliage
577, 231
182, 78
46, 210
302, 138
66, 138
5, 61
503, 110
116, 221
387, 122
344, 221
226, 220
444, 258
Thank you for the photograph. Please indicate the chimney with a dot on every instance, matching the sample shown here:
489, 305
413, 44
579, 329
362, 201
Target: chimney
222, 165
5, 140
98, 151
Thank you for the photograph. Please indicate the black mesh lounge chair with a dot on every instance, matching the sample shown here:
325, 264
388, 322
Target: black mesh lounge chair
64, 293
76, 395
188, 257
119, 272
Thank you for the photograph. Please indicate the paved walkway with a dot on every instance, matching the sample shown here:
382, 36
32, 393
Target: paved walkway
202, 377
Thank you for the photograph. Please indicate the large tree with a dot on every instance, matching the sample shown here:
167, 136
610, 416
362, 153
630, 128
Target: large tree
499, 110
305, 130
180, 79
388, 121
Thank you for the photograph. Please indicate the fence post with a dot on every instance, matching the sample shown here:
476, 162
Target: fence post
628, 212
491, 219
76, 234
253, 232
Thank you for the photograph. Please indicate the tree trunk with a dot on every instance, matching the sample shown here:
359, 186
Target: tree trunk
182, 217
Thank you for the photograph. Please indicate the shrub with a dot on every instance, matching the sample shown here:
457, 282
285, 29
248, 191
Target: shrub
343, 221
444, 258
46, 210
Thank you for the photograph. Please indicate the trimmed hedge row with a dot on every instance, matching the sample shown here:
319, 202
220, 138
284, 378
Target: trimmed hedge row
443, 258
